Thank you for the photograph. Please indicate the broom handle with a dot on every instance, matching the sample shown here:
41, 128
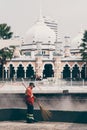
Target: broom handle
37, 101
23, 83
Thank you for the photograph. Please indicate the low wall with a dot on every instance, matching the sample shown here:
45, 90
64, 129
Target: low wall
57, 116
65, 107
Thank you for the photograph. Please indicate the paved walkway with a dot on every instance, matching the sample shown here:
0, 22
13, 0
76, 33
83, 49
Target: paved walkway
42, 126
18, 87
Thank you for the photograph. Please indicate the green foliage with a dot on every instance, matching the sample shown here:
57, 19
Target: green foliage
83, 46
5, 53
83, 51
5, 32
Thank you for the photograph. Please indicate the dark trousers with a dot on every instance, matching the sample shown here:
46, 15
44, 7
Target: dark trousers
30, 110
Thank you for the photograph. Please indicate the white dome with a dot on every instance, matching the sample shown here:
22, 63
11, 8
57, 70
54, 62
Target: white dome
77, 40
40, 32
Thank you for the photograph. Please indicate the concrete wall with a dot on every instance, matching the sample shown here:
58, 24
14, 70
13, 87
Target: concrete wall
57, 116
64, 107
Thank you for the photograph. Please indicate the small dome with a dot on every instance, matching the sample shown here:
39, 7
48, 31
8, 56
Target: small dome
16, 53
40, 32
77, 40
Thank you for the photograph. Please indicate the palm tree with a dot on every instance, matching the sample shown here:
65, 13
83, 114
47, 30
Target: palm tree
5, 53
5, 32
83, 51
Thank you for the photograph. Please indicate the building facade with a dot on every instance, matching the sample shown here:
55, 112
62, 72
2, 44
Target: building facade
41, 57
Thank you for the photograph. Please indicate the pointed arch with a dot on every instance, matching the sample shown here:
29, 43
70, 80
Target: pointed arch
1, 71
47, 63
20, 71
75, 63
66, 72
75, 72
11, 71
30, 71
20, 63
83, 71
48, 71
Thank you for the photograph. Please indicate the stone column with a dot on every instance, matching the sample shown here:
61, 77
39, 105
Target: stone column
38, 65
51, 55
57, 66
80, 74
6, 73
71, 74
24, 72
15, 76
67, 47
32, 55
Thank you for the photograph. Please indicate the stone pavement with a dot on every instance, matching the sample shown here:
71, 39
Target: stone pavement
42, 126
17, 87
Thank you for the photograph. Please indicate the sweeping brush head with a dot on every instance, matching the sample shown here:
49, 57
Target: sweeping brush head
46, 114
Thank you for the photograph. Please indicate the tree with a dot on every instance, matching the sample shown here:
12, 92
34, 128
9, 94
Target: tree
5, 32
83, 51
5, 53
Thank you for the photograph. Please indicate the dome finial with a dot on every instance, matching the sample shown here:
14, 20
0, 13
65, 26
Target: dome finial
40, 15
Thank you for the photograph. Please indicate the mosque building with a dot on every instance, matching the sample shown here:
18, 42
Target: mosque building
40, 54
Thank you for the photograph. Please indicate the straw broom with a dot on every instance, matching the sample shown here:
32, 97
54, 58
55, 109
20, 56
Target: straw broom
46, 114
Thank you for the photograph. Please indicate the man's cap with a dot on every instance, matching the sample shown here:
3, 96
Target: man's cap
31, 84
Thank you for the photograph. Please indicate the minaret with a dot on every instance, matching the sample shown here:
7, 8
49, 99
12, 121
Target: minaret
67, 47
39, 47
40, 13
38, 56
38, 64
58, 44
57, 61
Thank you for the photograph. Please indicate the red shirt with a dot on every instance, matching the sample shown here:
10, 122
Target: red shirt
29, 96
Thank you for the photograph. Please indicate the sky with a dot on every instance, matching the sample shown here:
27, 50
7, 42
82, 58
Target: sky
21, 15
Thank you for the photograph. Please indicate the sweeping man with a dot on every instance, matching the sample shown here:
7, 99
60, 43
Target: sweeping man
29, 98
